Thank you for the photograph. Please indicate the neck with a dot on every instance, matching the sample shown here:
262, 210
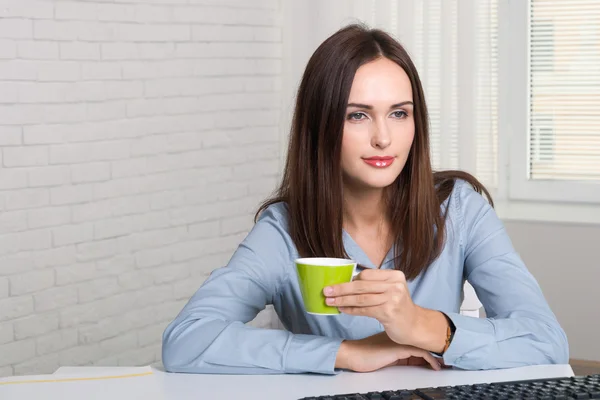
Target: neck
364, 209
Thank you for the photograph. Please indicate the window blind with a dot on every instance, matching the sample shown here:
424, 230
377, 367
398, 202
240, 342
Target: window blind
564, 90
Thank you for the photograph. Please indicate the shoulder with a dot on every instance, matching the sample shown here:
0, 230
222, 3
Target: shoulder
270, 235
467, 207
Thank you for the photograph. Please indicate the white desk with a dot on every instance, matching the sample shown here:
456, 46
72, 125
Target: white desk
164, 386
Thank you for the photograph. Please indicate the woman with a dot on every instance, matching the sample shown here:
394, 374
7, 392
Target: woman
358, 184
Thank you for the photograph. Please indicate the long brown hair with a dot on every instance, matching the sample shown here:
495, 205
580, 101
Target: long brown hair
312, 180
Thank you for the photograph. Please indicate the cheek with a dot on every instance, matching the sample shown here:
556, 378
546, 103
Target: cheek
352, 143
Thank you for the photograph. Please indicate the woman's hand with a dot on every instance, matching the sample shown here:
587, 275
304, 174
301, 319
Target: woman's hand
384, 295
379, 351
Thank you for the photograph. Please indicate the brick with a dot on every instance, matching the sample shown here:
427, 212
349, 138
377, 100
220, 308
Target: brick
60, 71
114, 188
15, 307
38, 366
151, 334
78, 11
49, 176
12, 179
10, 135
55, 298
120, 343
16, 28
12, 221
150, 221
3, 287
31, 9
86, 152
55, 30
47, 217
35, 325
29, 240
37, 50
263, 186
16, 352
267, 34
152, 257
168, 310
18, 70
79, 51
6, 332
71, 194
8, 49
56, 341
72, 234
91, 211
116, 12
25, 156
233, 225
96, 250
185, 289
153, 33
153, 239
129, 167
92, 312
135, 280
138, 357
268, 4
153, 51
203, 230
130, 205
6, 371
75, 273
119, 51
44, 134
169, 273
100, 70
27, 198
54, 257
80, 355
112, 228
97, 289
117, 265
113, 326
30, 282
92, 172
223, 33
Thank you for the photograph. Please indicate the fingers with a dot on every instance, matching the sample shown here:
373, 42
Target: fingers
389, 275
361, 300
431, 360
355, 287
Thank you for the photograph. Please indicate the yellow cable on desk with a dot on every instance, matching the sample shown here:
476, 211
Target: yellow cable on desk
78, 379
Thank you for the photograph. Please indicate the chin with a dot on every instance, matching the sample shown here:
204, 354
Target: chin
379, 182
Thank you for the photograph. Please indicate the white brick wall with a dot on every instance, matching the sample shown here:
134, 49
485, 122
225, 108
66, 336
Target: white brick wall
136, 141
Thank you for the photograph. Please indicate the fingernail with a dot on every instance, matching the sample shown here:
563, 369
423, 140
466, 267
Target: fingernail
328, 290
330, 300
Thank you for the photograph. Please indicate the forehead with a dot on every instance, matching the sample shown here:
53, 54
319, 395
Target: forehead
379, 81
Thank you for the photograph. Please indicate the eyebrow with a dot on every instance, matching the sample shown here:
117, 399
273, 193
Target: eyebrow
368, 107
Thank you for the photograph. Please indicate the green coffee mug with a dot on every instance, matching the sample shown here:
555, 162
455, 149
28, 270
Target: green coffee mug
314, 274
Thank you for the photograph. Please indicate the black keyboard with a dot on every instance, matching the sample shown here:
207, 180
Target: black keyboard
577, 387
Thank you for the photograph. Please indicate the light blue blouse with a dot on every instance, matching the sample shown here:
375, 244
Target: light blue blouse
210, 336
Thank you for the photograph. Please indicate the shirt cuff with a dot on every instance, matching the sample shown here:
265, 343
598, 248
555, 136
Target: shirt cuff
309, 353
472, 334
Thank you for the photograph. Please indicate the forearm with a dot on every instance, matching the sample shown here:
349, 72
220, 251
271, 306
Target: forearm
430, 330
215, 346
485, 343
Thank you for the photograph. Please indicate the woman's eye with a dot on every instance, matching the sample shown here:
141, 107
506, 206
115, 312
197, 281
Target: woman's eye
356, 116
400, 114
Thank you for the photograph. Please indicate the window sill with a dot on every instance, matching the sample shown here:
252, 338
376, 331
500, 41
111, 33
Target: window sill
512, 210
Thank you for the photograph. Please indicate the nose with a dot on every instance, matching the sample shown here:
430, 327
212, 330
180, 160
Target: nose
380, 139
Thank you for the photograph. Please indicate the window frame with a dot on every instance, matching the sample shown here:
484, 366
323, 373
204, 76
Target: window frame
514, 103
